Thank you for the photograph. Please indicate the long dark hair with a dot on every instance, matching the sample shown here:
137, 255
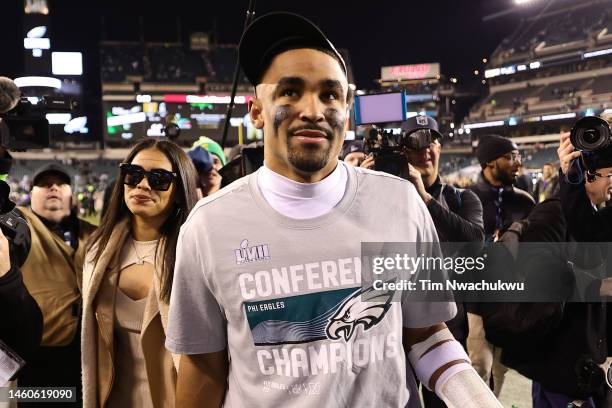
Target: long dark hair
185, 199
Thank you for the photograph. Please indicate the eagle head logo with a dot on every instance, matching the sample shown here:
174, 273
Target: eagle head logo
365, 307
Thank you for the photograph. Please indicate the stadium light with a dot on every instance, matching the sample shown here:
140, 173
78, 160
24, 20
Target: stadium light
38, 81
58, 118
597, 53
521, 2
67, 63
484, 124
559, 116
126, 119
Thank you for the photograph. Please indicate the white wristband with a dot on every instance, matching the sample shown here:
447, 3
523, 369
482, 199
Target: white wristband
437, 357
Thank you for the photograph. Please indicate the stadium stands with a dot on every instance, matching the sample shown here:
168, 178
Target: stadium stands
602, 84
167, 63
570, 24
556, 66
118, 62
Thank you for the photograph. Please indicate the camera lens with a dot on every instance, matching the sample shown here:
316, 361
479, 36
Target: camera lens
591, 136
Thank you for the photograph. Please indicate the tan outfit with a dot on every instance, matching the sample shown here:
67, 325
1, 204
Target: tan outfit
103, 350
53, 273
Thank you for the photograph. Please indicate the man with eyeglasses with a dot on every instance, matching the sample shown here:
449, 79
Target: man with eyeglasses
562, 359
587, 221
52, 273
502, 204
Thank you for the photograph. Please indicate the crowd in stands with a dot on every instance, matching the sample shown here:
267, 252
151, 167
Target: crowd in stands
583, 22
171, 63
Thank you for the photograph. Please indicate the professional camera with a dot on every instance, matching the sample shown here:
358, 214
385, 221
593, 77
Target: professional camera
26, 127
592, 136
388, 148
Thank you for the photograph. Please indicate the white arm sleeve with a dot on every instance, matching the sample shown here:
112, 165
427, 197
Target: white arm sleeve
465, 389
459, 386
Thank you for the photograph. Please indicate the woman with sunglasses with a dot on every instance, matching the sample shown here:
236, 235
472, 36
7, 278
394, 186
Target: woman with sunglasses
127, 278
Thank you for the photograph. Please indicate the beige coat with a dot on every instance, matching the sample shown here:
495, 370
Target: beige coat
99, 286
52, 274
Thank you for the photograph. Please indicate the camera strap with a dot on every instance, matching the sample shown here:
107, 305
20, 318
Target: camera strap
575, 174
10, 363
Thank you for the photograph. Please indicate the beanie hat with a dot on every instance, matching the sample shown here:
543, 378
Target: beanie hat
491, 147
212, 146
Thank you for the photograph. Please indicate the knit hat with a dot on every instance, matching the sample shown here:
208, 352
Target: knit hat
490, 147
212, 146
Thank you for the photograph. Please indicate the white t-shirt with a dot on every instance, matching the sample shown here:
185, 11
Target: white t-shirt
279, 292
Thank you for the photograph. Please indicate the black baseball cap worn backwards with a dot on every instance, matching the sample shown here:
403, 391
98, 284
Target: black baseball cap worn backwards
275, 33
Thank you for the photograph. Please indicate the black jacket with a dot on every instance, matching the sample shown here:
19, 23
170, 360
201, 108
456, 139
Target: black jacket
457, 216
514, 204
584, 222
562, 334
456, 213
21, 322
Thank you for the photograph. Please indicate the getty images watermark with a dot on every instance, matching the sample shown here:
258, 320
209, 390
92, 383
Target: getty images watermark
405, 264
433, 271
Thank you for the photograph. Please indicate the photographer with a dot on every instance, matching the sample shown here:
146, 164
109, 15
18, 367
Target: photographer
557, 344
585, 180
585, 221
456, 213
52, 273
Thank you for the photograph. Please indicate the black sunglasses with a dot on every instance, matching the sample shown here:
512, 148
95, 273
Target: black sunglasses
159, 179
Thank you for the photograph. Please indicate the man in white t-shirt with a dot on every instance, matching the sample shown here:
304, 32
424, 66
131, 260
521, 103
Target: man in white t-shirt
268, 306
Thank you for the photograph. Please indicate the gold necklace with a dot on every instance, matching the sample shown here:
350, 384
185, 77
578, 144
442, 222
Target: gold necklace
141, 258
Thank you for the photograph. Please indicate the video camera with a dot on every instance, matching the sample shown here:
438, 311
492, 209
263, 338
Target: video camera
592, 136
26, 127
388, 146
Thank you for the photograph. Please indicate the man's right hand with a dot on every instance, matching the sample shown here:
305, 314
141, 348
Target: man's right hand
368, 163
5, 258
566, 152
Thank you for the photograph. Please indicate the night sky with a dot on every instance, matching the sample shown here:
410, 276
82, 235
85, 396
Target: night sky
378, 33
